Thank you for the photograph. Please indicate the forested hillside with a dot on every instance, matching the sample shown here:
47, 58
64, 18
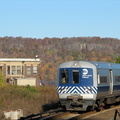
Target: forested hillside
54, 51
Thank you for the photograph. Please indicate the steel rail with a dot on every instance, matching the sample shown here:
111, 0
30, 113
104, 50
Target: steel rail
38, 116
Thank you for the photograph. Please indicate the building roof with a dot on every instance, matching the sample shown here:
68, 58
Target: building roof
20, 59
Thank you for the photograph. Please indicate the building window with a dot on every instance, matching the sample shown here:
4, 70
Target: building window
103, 79
8, 70
28, 70
34, 69
1, 67
22, 70
13, 70
18, 70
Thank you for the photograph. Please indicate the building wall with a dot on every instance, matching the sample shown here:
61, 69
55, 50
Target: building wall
19, 68
26, 81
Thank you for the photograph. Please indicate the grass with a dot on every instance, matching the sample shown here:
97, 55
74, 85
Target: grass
30, 99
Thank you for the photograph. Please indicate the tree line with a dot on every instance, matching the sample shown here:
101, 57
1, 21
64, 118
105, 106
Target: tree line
54, 51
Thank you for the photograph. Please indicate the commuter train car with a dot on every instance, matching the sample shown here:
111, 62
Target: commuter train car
86, 85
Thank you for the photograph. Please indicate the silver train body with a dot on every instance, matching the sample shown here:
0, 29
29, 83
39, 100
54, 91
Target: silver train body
86, 85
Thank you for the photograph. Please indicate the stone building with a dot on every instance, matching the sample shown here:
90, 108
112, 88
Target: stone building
13, 68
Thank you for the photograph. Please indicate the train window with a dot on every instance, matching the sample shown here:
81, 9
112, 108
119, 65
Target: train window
64, 76
75, 77
117, 78
103, 79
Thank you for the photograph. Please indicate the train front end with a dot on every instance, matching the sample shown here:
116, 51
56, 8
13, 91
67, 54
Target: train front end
77, 85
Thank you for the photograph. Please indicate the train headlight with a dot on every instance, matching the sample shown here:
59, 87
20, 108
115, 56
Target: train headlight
86, 89
75, 64
63, 89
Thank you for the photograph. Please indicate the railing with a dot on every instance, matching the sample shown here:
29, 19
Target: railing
116, 113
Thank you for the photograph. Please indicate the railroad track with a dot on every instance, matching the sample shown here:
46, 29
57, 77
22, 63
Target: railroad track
87, 115
42, 115
81, 115
60, 114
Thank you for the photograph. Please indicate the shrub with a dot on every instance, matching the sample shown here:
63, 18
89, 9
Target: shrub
2, 79
30, 99
31, 88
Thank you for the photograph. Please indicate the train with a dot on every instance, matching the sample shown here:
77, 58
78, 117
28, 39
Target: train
88, 85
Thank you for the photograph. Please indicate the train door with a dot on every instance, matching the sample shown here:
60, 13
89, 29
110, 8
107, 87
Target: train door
75, 76
111, 81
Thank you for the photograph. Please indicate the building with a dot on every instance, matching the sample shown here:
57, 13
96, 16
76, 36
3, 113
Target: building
13, 68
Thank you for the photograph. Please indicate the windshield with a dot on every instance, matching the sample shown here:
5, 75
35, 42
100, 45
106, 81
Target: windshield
64, 76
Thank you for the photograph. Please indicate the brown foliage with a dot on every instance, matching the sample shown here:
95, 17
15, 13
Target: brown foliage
14, 97
54, 51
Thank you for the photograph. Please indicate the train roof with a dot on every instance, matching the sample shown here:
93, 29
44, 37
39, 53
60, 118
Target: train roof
106, 65
91, 64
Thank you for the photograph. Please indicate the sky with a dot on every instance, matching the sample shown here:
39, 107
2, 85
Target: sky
60, 18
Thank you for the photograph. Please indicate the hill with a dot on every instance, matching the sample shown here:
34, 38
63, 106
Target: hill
54, 51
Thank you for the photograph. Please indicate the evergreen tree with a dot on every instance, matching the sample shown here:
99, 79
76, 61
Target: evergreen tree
118, 59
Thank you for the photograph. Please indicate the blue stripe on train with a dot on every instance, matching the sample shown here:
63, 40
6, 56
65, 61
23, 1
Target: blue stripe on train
103, 89
77, 89
116, 87
85, 89
107, 88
